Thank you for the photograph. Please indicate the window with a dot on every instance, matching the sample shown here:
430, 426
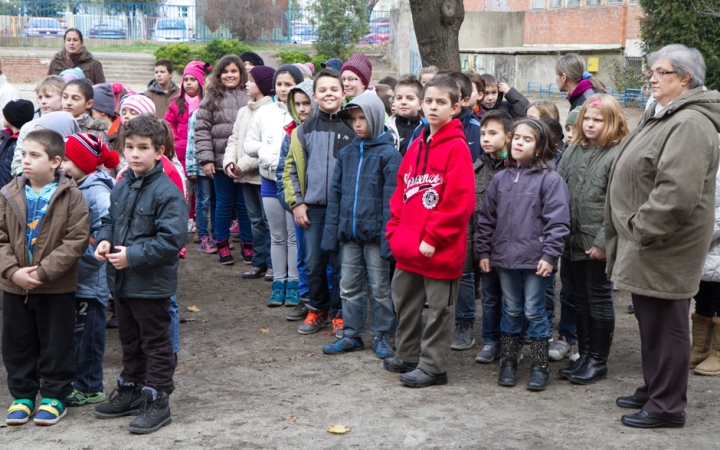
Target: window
538, 4
573, 3
592, 2
555, 3
614, 2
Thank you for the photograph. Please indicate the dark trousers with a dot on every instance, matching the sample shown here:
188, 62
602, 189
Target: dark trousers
89, 344
144, 330
707, 300
316, 262
665, 346
37, 342
593, 290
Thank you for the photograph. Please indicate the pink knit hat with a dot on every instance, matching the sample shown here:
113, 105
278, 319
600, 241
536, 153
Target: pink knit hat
139, 102
304, 69
360, 65
198, 69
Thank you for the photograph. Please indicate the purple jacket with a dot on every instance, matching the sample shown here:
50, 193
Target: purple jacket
525, 217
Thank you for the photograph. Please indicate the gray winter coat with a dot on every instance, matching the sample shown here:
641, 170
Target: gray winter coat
213, 126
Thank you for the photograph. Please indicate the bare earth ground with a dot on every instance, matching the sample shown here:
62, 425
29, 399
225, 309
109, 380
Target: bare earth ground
240, 387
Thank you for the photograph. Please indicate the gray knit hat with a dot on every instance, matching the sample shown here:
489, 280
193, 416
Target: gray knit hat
104, 99
292, 70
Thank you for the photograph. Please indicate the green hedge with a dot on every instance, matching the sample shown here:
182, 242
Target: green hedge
298, 57
181, 54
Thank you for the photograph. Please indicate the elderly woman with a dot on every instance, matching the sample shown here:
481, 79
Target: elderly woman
659, 222
75, 55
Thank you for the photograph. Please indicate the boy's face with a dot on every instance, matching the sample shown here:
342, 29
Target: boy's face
491, 96
303, 106
141, 154
407, 103
127, 114
37, 165
352, 84
252, 89
438, 107
464, 101
329, 94
472, 103
72, 169
493, 138
569, 130
97, 115
49, 101
424, 78
162, 76
359, 122
533, 113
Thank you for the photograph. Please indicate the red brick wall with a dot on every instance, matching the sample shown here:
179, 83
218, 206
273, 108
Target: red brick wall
633, 24
598, 25
24, 69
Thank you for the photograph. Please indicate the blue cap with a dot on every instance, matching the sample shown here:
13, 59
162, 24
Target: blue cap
333, 63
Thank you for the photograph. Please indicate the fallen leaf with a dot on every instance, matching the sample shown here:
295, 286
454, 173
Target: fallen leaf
264, 330
337, 429
193, 308
289, 417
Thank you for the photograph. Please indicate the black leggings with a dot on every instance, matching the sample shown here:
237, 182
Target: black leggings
707, 300
593, 290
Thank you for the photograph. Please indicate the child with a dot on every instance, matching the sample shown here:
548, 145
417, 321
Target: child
426, 74
215, 119
205, 194
250, 60
541, 109
16, 114
407, 117
356, 74
104, 110
501, 96
495, 135
475, 103
510, 221
585, 167
162, 89
358, 210
141, 236
387, 104
570, 124
308, 169
78, 98
39, 276
430, 210
389, 81
264, 140
383, 89
84, 155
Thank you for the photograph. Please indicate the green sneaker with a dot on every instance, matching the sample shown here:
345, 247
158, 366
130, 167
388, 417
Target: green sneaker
77, 398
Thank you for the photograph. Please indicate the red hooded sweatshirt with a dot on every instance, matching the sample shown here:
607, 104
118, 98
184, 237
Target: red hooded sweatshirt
434, 199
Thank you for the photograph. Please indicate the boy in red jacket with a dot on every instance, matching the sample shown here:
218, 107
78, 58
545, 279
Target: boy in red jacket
427, 233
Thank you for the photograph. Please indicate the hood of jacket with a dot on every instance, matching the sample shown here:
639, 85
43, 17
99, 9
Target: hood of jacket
451, 130
374, 111
307, 88
705, 102
154, 87
97, 178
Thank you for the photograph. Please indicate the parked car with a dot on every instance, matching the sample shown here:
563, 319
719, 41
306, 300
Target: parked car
108, 29
303, 34
44, 27
171, 30
380, 34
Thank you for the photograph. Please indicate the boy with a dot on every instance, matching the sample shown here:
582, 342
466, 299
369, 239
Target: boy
478, 92
39, 275
426, 74
384, 89
407, 117
141, 236
364, 177
84, 154
104, 109
308, 169
427, 230
251, 59
513, 102
16, 113
162, 89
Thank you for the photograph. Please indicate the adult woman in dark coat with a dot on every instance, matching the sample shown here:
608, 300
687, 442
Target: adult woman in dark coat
74, 55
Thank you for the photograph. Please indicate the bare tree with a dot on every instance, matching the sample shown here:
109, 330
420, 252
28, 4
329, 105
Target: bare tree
371, 4
247, 20
706, 7
437, 24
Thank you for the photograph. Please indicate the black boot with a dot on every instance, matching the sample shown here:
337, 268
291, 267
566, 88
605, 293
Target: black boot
583, 335
155, 413
508, 360
595, 368
539, 371
126, 400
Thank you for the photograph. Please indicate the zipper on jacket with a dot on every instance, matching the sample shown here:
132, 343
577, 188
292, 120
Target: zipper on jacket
357, 185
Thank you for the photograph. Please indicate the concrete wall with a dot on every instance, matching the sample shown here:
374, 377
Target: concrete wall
402, 39
492, 30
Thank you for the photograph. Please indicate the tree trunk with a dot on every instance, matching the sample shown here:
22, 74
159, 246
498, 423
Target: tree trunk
437, 27
371, 4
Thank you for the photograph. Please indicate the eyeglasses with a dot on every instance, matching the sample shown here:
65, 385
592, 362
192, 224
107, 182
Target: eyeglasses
350, 79
659, 75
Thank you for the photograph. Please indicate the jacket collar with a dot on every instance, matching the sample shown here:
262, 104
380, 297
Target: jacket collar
147, 178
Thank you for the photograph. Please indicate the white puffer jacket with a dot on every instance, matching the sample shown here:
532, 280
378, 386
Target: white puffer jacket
266, 135
711, 270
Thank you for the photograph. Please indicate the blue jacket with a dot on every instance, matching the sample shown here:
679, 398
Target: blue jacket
471, 130
92, 277
284, 149
7, 151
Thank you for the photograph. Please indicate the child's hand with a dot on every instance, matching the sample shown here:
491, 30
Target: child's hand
300, 214
119, 259
25, 280
101, 251
485, 265
503, 87
230, 171
209, 170
544, 269
595, 253
427, 249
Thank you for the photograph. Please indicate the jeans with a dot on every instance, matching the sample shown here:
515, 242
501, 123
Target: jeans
174, 323
466, 308
229, 195
89, 344
283, 248
593, 290
550, 302
524, 298
259, 223
362, 265
491, 307
567, 328
205, 207
316, 261
302, 274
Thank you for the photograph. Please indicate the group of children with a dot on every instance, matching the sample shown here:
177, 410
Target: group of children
337, 203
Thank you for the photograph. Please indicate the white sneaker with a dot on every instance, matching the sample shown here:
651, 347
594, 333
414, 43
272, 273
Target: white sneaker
560, 350
191, 226
574, 357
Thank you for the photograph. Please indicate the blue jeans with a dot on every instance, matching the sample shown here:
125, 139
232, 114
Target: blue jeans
302, 275
363, 266
524, 298
316, 261
491, 307
550, 302
174, 323
465, 309
89, 344
205, 207
259, 223
229, 195
567, 328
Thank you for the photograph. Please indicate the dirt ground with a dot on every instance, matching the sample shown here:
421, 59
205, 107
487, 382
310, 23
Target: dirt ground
247, 379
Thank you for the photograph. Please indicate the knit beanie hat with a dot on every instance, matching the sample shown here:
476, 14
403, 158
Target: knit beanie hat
104, 99
310, 66
304, 69
88, 152
139, 102
292, 70
264, 78
18, 112
198, 69
75, 73
61, 122
252, 58
360, 65
572, 116
332, 63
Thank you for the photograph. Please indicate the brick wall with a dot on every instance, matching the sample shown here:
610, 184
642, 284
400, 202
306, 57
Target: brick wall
634, 13
25, 69
598, 25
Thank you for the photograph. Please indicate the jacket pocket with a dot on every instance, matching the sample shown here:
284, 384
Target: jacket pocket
405, 244
143, 222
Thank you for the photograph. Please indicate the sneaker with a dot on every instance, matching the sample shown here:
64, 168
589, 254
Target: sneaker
154, 414
207, 245
278, 294
313, 322
254, 272
126, 400
298, 313
235, 230
574, 357
488, 353
382, 348
397, 365
464, 336
269, 275
224, 255
631, 309
77, 398
50, 412
112, 323
337, 325
191, 226
292, 294
20, 411
560, 350
247, 252
344, 345
183, 252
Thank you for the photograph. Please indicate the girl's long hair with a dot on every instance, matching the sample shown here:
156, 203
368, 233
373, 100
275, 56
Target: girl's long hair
573, 65
616, 127
180, 99
215, 89
545, 144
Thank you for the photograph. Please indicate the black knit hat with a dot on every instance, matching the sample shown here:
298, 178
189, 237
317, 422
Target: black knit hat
18, 112
253, 58
264, 78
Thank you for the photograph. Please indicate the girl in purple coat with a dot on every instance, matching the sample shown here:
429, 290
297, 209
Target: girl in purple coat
523, 223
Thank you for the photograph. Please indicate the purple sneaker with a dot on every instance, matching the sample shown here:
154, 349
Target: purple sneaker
207, 245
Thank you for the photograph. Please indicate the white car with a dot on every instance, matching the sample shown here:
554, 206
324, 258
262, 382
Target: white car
171, 30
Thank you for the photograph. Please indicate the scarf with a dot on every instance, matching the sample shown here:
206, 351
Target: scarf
193, 103
72, 59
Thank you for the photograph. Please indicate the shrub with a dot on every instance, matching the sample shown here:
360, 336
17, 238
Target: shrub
293, 57
217, 48
625, 77
179, 54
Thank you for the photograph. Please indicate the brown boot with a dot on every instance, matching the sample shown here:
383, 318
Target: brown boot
711, 364
196, 238
702, 328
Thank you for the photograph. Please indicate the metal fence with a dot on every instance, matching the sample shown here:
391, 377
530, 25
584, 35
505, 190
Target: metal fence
168, 22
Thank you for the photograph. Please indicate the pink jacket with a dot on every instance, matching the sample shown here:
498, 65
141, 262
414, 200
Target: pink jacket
179, 126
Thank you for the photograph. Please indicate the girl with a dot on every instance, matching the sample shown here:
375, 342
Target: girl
572, 78
264, 141
585, 167
215, 119
521, 230
205, 202
78, 98
542, 109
